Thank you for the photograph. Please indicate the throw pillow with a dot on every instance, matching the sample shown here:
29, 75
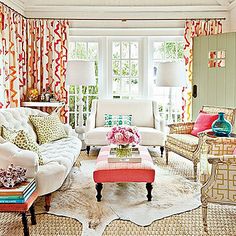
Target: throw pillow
22, 140
112, 120
8, 133
48, 128
234, 153
203, 122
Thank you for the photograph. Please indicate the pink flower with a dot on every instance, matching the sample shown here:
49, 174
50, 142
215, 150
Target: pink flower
123, 135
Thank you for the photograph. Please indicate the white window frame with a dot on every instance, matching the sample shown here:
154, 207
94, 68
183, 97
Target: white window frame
152, 40
140, 62
100, 72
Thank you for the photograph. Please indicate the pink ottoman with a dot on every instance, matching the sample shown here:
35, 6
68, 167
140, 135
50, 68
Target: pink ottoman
123, 172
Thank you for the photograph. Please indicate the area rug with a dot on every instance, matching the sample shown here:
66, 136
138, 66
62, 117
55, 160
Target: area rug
172, 194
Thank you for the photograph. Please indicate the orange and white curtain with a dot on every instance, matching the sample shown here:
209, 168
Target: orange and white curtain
47, 57
194, 28
13, 66
33, 54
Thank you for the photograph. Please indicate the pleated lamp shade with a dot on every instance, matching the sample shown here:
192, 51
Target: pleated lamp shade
171, 74
80, 73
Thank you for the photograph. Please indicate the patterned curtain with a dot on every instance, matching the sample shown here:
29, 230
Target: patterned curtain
194, 28
12, 57
47, 57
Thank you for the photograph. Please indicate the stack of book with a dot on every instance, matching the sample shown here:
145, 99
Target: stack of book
19, 194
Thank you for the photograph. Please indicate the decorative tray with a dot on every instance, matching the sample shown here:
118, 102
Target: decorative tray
135, 158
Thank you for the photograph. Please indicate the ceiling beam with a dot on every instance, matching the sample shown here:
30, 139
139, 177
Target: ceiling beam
223, 2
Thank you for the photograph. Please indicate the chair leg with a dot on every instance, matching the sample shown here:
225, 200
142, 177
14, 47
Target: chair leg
167, 156
195, 171
162, 150
48, 198
88, 149
204, 214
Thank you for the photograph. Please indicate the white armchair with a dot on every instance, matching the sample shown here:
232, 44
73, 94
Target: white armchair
145, 117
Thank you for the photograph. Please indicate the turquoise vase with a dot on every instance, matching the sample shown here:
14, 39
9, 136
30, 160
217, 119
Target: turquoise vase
221, 127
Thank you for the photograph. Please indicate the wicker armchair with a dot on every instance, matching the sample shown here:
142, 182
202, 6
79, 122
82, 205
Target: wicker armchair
180, 140
221, 185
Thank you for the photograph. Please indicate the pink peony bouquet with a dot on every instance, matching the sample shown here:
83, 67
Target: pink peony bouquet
123, 135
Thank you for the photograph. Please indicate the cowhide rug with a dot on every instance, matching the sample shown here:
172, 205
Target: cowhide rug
172, 194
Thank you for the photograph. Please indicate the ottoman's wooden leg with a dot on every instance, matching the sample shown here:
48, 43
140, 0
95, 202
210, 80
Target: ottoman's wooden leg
32, 212
99, 190
25, 224
149, 190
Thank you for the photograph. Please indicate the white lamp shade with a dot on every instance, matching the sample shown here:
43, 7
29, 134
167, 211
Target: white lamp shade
171, 74
80, 73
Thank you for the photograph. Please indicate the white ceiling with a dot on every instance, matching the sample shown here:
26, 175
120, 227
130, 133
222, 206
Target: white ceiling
123, 9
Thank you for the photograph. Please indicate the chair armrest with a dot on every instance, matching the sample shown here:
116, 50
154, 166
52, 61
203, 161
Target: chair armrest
221, 145
69, 131
224, 159
11, 154
181, 128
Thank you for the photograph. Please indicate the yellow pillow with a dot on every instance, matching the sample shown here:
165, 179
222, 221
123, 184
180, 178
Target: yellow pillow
48, 128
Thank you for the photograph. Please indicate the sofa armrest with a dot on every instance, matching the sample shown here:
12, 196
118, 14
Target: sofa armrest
69, 131
91, 121
159, 124
181, 128
11, 154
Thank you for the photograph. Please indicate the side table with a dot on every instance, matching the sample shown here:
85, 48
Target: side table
23, 208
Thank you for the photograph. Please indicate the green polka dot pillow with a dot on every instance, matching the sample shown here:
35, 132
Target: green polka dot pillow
119, 120
22, 140
48, 128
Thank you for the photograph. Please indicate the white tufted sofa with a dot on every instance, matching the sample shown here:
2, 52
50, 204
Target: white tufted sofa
59, 156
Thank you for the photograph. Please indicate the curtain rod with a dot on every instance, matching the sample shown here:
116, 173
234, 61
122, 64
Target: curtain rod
112, 19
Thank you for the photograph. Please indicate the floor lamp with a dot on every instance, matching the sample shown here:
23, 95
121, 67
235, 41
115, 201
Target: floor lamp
171, 74
80, 73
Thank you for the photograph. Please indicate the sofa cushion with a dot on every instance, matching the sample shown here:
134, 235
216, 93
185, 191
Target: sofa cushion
64, 151
149, 136
112, 120
203, 122
48, 128
141, 111
184, 141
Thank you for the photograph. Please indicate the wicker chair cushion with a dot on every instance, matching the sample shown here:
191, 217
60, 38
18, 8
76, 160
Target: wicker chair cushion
184, 141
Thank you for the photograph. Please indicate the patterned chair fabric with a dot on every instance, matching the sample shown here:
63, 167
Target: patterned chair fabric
183, 143
221, 185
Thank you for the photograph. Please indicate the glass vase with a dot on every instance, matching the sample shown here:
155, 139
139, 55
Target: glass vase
124, 151
221, 127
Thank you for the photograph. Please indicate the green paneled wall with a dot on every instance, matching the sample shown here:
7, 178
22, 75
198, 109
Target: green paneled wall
217, 85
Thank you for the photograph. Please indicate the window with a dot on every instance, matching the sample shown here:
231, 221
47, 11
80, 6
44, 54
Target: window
125, 68
167, 51
83, 50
